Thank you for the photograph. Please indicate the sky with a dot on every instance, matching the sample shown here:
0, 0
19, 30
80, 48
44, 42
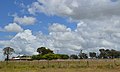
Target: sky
67, 26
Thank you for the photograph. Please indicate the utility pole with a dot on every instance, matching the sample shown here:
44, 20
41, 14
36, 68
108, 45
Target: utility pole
57, 51
80, 51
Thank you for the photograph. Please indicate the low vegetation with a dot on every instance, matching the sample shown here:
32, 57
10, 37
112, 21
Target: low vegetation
88, 65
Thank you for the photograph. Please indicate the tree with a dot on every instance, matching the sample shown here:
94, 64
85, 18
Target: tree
64, 56
8, 51
50, 56
37, 57
44, 50
73, 56
83, 56
92, 54
109, 53
114, 53
103, 53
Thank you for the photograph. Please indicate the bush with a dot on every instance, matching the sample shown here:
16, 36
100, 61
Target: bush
50, 56
73, 56
37, 57
63, 56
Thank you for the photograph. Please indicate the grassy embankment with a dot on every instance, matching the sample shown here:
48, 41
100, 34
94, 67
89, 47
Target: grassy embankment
62, 66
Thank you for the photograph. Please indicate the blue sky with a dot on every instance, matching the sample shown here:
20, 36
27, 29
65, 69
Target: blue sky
9, 8
64, 25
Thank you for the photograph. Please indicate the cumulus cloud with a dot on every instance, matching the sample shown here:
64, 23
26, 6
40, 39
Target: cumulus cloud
56, 27
21, 42
98, 21
77, 9
1, 54
98, 34
26, 20
63, 40
88, 36
13, 27
55, 8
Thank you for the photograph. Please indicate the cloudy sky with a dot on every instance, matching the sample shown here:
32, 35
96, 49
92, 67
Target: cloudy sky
66, 26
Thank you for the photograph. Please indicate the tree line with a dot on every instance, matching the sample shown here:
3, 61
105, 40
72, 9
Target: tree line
48, 54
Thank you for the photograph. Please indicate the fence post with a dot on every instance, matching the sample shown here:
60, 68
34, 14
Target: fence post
48, 63
87, 63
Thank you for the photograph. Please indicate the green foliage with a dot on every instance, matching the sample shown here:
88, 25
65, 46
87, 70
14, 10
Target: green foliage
102, 53
37, 57
44, 50
109, 53
92, 54
45, 53
63, 56
49, 56
73, 56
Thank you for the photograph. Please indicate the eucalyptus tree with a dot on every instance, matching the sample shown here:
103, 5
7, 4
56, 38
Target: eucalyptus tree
8, 51
44, 50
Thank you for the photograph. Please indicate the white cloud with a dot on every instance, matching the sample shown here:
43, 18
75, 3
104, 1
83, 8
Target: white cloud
27, 34
1, 54
22, 43
99, 20
25, 20
13, 27
88, 36
57, 6
77, 9
27, 43
56, 27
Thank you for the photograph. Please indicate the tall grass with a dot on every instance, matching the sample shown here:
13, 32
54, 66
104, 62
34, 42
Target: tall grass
62, 66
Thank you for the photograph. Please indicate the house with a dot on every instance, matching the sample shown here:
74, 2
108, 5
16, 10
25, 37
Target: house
22, 57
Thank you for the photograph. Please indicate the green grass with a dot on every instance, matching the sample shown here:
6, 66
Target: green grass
62, 66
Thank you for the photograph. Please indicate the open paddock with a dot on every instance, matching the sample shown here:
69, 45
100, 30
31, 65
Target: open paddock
88, 65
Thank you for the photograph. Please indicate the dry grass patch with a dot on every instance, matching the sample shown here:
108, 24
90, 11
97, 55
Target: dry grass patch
62, 66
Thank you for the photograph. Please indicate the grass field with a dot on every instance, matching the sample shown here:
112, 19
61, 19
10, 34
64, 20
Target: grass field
62, 66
